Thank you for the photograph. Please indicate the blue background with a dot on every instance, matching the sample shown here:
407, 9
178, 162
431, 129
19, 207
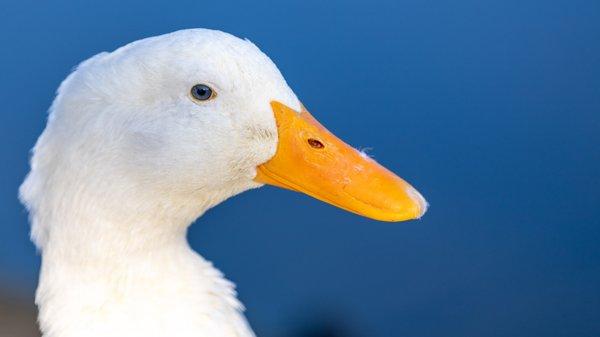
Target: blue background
490, 108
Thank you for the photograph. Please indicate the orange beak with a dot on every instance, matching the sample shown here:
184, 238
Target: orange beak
311, 160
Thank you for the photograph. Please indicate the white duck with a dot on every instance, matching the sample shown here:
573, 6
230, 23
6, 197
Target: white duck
142, 141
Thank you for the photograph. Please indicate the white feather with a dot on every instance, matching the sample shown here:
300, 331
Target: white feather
127, 161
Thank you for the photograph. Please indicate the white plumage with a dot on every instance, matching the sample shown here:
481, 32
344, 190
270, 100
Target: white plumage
127, 161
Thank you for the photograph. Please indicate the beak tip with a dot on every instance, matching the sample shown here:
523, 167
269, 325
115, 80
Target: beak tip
419, 200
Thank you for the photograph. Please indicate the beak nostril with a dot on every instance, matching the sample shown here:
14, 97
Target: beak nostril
314, 143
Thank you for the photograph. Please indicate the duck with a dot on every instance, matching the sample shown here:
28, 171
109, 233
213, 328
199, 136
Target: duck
142, 141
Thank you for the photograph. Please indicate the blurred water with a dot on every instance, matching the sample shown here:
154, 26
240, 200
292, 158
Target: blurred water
491, 109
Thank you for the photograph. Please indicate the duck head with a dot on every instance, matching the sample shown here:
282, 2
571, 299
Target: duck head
200, 113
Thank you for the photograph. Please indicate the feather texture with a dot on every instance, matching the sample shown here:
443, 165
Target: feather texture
127, 161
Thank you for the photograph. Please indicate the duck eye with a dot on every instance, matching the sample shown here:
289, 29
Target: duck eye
202, 92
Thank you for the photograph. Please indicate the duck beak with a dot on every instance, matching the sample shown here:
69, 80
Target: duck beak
311, 160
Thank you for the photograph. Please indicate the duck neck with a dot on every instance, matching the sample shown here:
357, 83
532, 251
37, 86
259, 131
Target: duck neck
126, 269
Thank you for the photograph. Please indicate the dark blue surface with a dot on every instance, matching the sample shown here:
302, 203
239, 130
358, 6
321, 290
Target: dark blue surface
490, 108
